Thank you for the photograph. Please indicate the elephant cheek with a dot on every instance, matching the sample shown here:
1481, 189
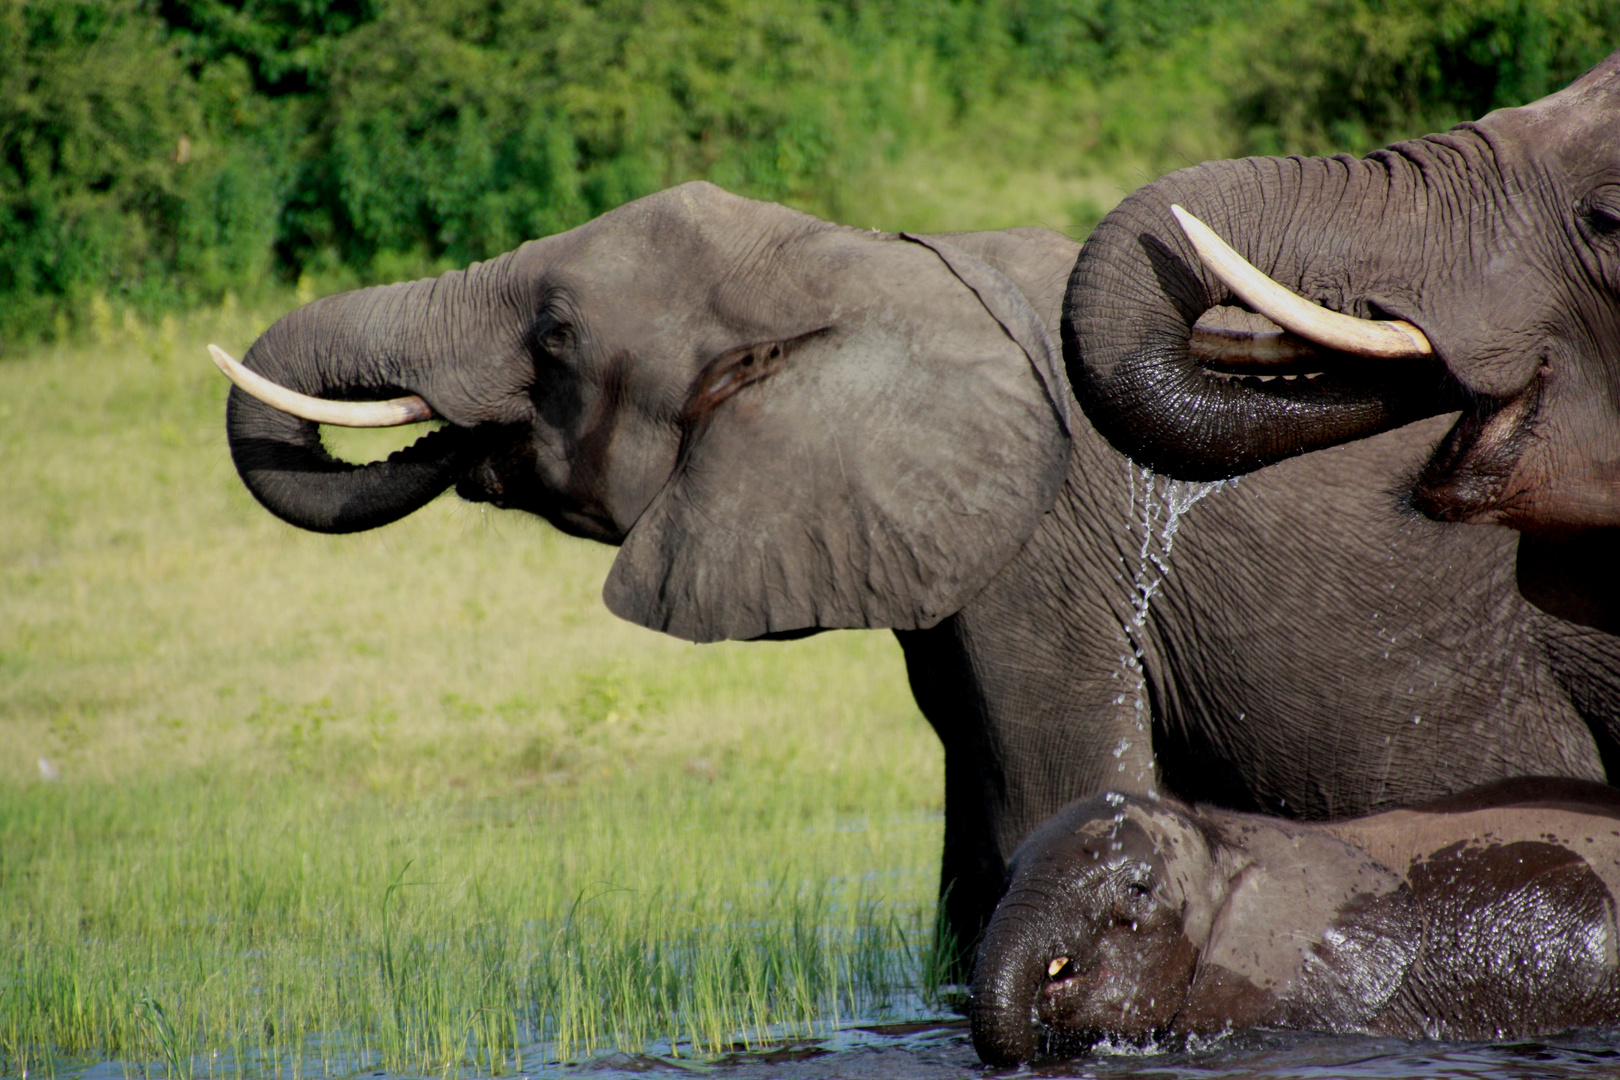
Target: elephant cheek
1134, 993
1166, 982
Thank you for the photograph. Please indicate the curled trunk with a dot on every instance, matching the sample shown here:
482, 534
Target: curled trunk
1139, 288
369, 345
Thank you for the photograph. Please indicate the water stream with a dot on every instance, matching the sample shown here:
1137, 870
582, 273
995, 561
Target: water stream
1158, 505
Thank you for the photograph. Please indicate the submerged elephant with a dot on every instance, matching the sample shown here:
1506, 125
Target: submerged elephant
789, 425
1489, 914
1474, 271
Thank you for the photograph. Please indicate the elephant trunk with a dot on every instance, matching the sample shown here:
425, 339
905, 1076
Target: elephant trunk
360, 346
1139, 287
1007, 981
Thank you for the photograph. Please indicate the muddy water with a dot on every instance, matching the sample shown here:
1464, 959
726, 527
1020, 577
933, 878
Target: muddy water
942, 1051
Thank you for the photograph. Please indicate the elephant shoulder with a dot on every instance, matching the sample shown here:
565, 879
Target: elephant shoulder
1036, 261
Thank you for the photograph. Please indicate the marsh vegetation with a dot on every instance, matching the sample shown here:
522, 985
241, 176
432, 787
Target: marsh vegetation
411, 798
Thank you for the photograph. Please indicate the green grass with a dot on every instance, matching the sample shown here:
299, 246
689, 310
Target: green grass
412, 798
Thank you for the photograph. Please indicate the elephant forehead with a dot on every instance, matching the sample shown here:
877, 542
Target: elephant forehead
697, 248
1168, 840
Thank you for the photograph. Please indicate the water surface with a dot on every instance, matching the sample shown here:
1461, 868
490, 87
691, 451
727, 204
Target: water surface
941, 1050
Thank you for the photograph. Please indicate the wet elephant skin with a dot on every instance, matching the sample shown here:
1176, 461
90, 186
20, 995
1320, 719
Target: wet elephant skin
787, 425
1489, 914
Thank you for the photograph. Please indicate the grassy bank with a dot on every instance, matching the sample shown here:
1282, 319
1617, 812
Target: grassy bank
414, 794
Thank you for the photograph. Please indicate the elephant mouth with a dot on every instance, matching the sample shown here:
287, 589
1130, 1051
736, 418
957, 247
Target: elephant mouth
493, 464
506, 475
1078, 1006
1474, 475
1496, 464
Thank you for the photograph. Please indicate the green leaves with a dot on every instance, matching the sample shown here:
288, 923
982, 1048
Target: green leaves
91, 113
1360, 73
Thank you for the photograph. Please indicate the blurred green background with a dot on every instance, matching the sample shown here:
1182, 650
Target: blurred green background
161, 153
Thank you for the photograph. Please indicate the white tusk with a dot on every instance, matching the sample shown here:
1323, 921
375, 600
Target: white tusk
1392, 339
393, 413
1056, 966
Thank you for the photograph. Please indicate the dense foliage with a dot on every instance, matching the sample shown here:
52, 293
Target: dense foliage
1360, 73
162, 152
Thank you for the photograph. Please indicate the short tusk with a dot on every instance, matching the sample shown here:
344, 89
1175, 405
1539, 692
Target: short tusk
1056, 965
1243, 349
393, 413
1392, 339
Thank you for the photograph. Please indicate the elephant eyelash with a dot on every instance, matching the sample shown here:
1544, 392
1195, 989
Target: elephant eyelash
1600, 221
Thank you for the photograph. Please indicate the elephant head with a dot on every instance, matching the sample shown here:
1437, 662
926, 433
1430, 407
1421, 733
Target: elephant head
786, 424
1499, 241
1099, 934
1130, 918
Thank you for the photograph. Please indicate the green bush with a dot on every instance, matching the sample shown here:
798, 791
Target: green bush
459, 129
93, 107
1361, 73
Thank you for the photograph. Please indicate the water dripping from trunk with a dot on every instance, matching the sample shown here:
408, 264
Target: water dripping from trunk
1157, 505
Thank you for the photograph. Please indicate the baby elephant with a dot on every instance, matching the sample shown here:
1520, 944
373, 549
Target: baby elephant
1486, 914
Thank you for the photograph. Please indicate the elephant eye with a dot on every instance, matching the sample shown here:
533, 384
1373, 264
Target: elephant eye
557, 338
1138, 889
1601, 222
1600, 212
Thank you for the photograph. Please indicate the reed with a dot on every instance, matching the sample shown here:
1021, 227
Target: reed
411, 799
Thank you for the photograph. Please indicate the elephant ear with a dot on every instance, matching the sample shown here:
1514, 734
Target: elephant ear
875, 472
1314, 933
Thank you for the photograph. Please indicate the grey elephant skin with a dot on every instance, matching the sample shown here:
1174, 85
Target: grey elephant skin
788, 425
1499, 239
1486, 915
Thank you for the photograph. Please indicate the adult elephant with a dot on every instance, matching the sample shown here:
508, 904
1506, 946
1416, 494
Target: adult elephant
1487, 258
788, 426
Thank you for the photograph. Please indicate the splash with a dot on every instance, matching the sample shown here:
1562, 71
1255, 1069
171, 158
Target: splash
1158, 505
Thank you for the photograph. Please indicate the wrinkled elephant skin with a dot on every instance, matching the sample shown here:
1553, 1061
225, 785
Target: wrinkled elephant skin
1486, 915
787, 426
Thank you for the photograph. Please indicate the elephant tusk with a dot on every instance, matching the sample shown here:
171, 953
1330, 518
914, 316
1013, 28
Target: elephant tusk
1056, 966
1391, 339
359, 414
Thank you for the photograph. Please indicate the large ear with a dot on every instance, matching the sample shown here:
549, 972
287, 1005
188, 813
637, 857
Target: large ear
1314, 933
875, 473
